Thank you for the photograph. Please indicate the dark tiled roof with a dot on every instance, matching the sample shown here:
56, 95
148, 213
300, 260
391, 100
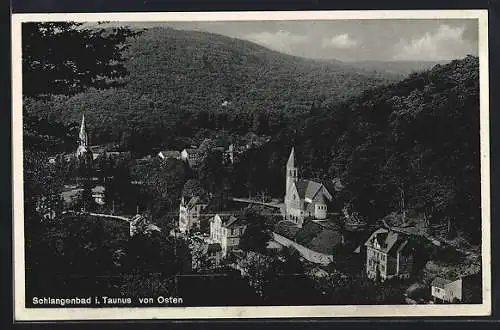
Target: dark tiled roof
138, 219
308, 189
192, 202
231, 220
196, 200
389, 241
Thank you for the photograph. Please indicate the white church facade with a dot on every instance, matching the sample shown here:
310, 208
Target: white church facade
304, 198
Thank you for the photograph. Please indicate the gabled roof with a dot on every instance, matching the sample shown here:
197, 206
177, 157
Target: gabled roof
193, 201
196, 200
440, 282
153, 227
137, 219
308, 189
389, 241
228, 220
231, 221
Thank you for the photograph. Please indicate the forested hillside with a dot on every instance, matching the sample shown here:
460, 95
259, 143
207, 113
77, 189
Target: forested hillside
413, 145
410, 146
182, 81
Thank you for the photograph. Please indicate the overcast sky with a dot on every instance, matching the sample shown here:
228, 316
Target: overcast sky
354, 40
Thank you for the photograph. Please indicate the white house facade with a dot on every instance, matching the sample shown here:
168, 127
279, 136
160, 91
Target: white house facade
189, 213
227, 231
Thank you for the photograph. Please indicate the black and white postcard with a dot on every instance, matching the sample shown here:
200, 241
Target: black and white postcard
251, 165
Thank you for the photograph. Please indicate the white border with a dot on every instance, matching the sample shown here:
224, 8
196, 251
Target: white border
25, 314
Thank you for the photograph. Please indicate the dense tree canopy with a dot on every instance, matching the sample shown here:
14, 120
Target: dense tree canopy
66, 58
179, 82
413, 145
257, 233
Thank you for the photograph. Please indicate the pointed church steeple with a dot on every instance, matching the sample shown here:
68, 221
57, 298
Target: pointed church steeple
291, 171
84, 138
83, 147
291, 159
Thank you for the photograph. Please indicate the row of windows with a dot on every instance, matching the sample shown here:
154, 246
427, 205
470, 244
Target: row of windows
236, 231
373, 264
379, 255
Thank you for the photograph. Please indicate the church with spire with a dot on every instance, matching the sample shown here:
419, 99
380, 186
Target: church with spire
304, 198
83, 151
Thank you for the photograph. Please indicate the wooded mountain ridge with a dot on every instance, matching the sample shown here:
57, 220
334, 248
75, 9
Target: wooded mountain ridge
176, 74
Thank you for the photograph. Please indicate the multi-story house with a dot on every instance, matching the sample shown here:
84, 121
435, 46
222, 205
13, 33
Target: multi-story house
191, 156
304, 198
226, 230
388, 255
446, 290
189, 213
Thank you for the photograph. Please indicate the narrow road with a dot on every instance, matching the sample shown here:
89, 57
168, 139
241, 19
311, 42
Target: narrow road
247, 200
101, 215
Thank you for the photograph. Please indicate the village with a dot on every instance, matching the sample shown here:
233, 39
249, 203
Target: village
329, 237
